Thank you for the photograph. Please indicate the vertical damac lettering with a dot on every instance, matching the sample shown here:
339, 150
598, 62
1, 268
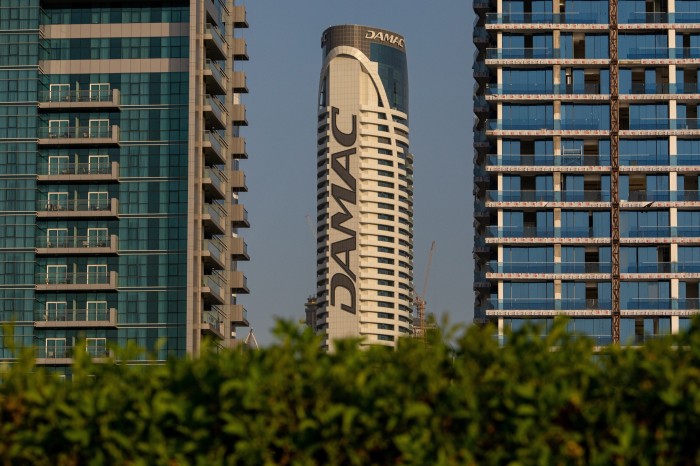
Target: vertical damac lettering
340, 250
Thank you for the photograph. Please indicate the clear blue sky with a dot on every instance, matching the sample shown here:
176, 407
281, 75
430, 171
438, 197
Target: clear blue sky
285, 59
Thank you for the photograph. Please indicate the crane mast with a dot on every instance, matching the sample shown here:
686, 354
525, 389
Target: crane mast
615, 170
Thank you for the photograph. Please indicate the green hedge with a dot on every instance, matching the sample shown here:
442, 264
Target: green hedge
550, 401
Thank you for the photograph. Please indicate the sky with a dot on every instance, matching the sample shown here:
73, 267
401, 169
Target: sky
284, 45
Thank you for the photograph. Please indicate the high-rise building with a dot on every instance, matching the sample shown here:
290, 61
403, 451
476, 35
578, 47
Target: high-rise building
365, 188
120, 177
587, 155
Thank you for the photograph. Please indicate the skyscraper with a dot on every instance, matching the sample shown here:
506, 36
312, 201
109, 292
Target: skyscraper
587, 154
120, 177
365, 187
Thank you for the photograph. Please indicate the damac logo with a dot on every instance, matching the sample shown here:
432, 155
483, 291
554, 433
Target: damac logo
341, 250
385, 37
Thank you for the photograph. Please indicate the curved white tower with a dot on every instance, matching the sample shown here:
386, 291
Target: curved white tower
365, 188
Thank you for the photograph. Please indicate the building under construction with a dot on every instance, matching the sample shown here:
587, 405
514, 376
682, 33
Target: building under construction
586, 156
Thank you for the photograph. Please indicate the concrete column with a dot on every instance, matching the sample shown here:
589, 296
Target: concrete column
674, 324
500, 326
499, 215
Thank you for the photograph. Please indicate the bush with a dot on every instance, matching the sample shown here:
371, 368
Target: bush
551, 401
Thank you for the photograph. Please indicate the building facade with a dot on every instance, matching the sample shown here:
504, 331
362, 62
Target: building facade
587, 155
120, 177
365, 188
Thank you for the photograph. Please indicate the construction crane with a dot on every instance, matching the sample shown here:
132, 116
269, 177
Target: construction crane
419, 300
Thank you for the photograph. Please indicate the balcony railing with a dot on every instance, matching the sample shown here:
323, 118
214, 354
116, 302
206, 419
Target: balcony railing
70, 135
217, 46
74, 278
215, 78
544, 160
79, 99
550, 267
57, 169
648, 232
215, 148
645, 304
546, 232
76, 318
521, 53
85, 242
570, 17
76, 205
530, 89
547, 196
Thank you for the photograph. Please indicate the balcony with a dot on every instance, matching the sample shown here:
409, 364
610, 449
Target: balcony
76, 281
647, 267
79, 136
238, 249
647, 304
687, 231
213, 291
240, 49
239, 82
238, 115
570, 17
239, 216
214, 253
73, 208
547, 160
238, 282
215, 78
79, 100
238, 150
521, 53
214, 219
480, 36
216, 11
547, 196
239, 17
648, 232
63, 355
634, 160
237, 182
215, 114
77, 245
213, 323
77, 318
77, 172
238, 315
215, 148
215, 43
214, 183
550, 267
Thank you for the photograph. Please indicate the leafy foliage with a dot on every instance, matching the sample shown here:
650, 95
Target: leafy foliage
459, 400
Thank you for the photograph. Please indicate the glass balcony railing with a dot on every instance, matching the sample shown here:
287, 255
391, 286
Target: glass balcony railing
541, 160
687, 303
547, 232
535, 88
73, 205
685, 267
73, 278
547, 196
646, 159
521, 124
687, 231
570, 17
647, 267
549, 267
646, 304
73, 315
74, 242
522, 53
583, 304
684, 52
649, 232
641, 17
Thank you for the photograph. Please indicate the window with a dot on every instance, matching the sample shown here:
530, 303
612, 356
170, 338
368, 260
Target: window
57, 237
56, 311
385, 337
57, 201
96, 347
59, 165
98, 164
385, 315
56, 348
59, 92
97, 238
97, 274
56, 274
98, 129
98, 200
96, 311
385, 327
58, 128
99, 92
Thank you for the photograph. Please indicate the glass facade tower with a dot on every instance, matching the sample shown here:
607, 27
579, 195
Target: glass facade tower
119, 176
543, 139
364, 188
